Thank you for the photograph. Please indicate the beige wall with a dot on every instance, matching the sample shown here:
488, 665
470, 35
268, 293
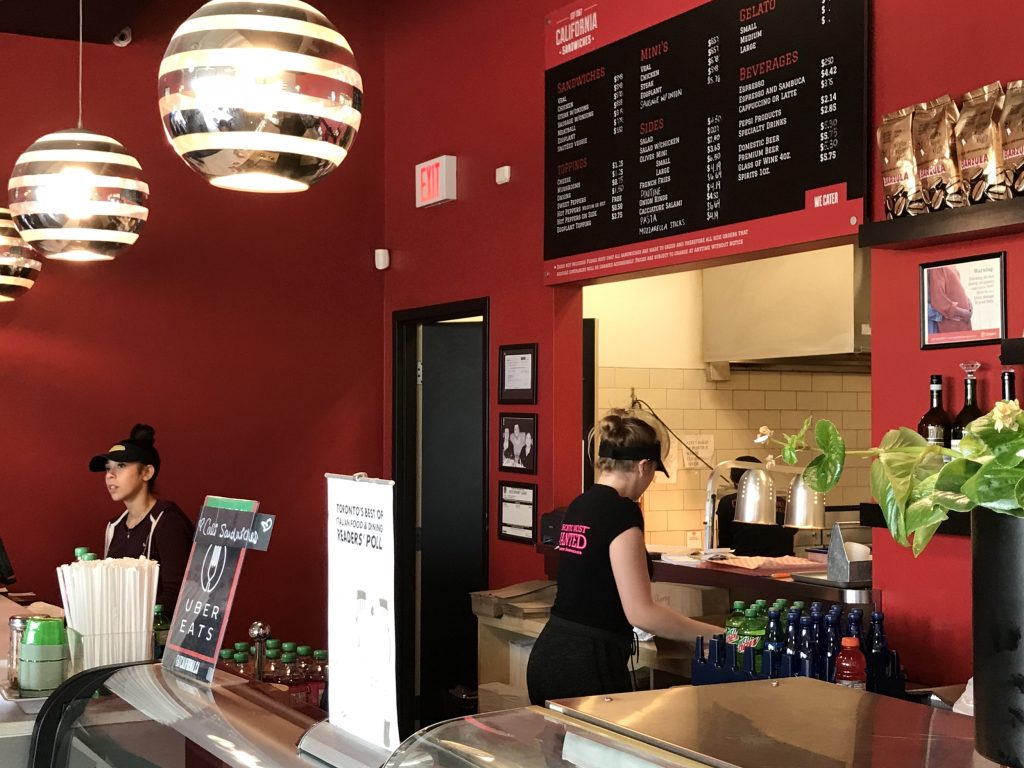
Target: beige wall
730, 412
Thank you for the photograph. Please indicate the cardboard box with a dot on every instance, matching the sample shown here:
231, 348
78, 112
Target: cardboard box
691, 600
519, 649
491, 602
493, 697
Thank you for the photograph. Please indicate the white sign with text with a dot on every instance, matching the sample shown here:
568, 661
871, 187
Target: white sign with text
363, 693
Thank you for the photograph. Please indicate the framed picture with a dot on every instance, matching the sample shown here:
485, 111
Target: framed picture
518, 511
517, 442
963, 301
517, 374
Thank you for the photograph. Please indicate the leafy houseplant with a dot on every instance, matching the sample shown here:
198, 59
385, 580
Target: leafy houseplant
917, 484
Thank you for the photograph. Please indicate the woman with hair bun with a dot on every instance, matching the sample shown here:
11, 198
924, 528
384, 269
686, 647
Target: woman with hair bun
148, 526
604, 586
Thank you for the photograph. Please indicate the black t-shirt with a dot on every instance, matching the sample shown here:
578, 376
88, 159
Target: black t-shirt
586, 585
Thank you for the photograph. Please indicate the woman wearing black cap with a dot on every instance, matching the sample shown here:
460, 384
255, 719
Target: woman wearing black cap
604, 586
150, 527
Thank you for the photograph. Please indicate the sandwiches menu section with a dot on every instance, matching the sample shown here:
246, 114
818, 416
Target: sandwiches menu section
731, 127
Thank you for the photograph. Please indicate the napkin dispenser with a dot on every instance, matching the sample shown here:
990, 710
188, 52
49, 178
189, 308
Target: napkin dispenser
848, 562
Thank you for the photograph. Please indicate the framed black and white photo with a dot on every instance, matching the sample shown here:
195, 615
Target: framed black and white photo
517, 511
517, 374
517, 442
963, 301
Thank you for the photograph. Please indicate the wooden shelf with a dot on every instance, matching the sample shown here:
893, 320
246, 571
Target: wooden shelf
971, 223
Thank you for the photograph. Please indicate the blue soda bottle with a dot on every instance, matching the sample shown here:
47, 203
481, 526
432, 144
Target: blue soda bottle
774, 641
831, 649
808, 653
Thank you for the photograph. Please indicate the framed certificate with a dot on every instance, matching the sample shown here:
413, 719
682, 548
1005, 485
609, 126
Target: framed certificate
518, 511
517, 374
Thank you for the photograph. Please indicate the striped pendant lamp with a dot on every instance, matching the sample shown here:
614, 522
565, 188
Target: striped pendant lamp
260, 95
18, 265
76, 195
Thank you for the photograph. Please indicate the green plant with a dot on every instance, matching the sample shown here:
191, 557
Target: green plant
917, 484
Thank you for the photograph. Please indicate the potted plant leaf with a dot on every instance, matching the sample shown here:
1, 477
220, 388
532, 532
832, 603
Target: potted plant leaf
918, 486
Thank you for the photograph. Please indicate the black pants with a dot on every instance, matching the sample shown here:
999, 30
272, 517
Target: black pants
571, 659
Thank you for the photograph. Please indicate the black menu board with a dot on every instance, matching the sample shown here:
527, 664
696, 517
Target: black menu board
662, 142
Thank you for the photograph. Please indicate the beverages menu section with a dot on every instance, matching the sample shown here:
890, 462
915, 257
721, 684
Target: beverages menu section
729, 128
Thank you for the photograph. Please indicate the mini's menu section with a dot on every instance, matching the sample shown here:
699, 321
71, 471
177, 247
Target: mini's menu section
727, 113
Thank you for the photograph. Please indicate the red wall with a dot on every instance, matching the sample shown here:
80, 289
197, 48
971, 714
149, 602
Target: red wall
928, 600
230, 327
466, 78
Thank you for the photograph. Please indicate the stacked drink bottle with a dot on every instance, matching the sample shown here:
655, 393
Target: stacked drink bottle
776, 642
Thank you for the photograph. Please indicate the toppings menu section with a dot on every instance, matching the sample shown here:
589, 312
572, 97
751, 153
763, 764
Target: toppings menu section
728, 128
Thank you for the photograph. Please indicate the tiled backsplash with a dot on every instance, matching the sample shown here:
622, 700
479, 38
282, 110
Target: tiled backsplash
729, 413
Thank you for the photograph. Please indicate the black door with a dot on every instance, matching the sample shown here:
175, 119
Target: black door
440, 470
452, 511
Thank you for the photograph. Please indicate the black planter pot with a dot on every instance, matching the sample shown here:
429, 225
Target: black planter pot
997, 566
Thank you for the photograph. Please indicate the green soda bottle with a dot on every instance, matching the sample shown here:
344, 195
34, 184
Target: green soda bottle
734, 622
752, 636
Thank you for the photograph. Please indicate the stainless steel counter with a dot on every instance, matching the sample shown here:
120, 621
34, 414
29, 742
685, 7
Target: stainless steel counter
749, 587
795, 722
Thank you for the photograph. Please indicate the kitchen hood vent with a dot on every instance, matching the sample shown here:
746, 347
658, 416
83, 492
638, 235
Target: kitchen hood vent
800, 312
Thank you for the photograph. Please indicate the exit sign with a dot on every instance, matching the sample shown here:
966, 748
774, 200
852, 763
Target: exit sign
435, 181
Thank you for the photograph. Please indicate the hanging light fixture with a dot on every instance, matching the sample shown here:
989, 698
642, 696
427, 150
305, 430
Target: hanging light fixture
18, 265
77, 195
260, 95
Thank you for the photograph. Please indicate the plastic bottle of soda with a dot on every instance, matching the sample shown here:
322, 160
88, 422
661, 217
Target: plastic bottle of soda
830, 649
762, 606
752, 636
161, 626
304, 660
298, 688
793, 638
851, 671
243, 667
878, 651
853, 627
226, 660
774, 641
798, 605
272, 667
734, 622
807, 656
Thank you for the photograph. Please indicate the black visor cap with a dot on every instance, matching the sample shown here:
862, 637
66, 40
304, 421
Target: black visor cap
634, 453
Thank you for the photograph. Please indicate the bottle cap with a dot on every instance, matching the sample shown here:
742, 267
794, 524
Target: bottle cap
288, 647
830, 618
241, 648
241, 658
273, 644
320, 654
761, 601
850, 642
158, 608
273, 653
773, 613
252, 650
89, 556
79, 551
227, 654
750, 613
877, 616
288, 658
805, 621
304, 650
738, 605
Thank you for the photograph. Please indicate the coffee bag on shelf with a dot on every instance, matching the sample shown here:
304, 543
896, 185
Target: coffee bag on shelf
899, 170
978, 146
937, 172
1011, 133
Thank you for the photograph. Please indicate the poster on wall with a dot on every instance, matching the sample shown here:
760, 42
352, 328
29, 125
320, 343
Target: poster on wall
963, 301
362, 696
680, 131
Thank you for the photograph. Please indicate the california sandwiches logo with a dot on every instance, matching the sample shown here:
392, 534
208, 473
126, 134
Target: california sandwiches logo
577, 31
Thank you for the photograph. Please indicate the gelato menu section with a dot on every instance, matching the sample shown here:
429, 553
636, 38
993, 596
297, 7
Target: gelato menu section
728, 128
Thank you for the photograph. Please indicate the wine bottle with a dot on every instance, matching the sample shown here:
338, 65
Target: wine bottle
934, 425
1009, 385
967, 414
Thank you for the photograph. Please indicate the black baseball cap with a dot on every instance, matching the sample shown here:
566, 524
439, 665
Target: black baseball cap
650, 452
127, 452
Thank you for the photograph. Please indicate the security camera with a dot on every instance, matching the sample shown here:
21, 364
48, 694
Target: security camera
122, 38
